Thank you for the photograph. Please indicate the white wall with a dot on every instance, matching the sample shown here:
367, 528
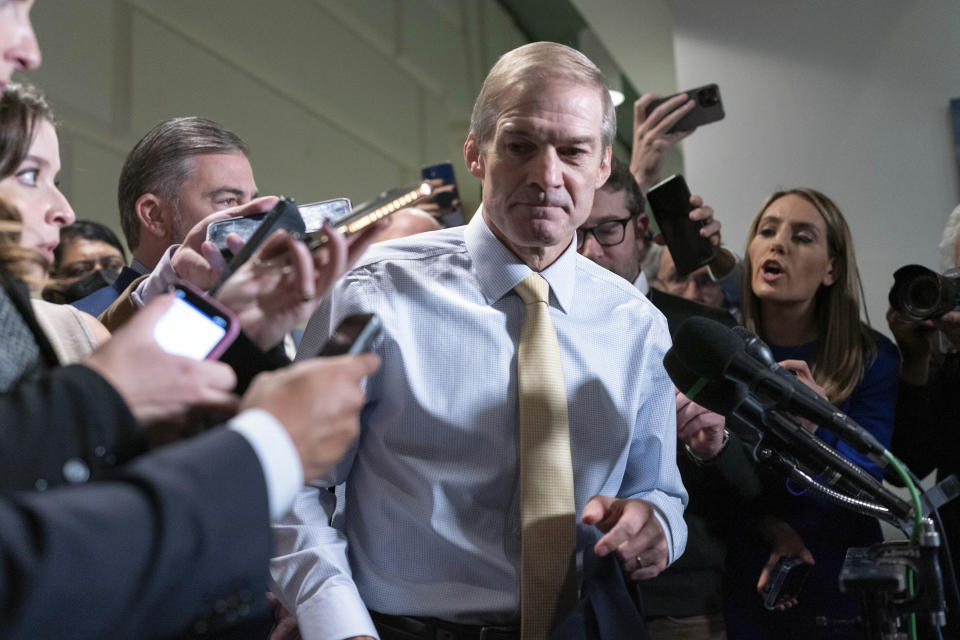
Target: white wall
639, 36
334, 97
847, 97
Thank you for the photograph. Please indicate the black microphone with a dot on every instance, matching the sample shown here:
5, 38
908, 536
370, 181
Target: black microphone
782, 435
715, 352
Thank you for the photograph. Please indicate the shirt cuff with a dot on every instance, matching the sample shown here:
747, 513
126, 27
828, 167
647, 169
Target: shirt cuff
668, 532
277, 454
160, 280
352, 619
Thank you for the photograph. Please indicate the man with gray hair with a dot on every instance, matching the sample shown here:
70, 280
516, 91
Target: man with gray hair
180, 172
521, 431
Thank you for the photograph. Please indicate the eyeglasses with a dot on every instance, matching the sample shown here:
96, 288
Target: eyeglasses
607, 234
112, 264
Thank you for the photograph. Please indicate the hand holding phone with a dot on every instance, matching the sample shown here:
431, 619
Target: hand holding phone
313, 215
195, 326
785, 583
670, 203
355, 334
444, 203
283, 216
708, 108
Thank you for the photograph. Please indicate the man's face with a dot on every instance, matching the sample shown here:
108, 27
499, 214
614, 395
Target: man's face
83, 256
19, 50
541, 168
217, 181
607, 216
696, 285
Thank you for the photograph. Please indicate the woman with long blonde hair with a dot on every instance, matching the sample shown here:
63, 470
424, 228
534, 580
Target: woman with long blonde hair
802, 296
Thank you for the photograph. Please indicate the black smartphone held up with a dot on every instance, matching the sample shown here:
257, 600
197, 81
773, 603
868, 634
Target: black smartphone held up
670, 203
196, 326
785, 583
355, 334
709, 108
283, 216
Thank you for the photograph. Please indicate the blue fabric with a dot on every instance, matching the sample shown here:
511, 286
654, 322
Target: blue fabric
98, 301
872, 403
607, 609
827, 530
431, 501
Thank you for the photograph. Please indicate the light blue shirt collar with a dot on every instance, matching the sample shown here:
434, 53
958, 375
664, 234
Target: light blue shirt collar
498, 270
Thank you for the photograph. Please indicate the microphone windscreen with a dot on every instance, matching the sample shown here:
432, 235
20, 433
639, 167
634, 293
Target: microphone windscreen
706, 347
755, 347
719, 397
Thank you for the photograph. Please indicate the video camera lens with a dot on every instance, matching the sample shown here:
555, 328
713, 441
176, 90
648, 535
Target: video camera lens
921, 294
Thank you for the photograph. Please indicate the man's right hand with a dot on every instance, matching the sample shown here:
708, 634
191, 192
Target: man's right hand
318, 402
651, 137
915, 341
159, 387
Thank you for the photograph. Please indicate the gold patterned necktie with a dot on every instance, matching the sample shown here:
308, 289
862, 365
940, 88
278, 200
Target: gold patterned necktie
548, 575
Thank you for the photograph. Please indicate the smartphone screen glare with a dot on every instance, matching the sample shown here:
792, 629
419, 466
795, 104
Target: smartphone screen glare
185, 330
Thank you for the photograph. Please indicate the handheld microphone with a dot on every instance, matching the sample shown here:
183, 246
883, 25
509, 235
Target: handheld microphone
716, 352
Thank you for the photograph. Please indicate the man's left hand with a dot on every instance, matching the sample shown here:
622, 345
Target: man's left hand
632, 532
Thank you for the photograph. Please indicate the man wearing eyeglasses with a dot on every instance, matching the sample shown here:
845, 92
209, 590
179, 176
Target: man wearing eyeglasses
615, 236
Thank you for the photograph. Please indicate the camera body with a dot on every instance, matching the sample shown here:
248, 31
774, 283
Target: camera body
919, 293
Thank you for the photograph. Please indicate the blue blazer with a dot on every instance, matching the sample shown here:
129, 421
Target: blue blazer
180, 541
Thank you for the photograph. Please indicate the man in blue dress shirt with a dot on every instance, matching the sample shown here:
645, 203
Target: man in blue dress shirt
427, 532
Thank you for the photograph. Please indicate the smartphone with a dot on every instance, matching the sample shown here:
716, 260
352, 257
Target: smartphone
316, 213
367, 213
785, 583
285, 215
709, 108
670, 203
355, 334
196, 326
313, 215
444, 171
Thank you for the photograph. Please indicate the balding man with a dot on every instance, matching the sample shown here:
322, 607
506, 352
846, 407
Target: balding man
439, 537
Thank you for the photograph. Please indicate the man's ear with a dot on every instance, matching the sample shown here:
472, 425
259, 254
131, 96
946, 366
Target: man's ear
473, 157
604, 172
643, 223
831, 276
154, 215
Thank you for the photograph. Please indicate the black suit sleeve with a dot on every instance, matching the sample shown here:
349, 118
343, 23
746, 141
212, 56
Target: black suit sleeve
182, 538
68, 426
